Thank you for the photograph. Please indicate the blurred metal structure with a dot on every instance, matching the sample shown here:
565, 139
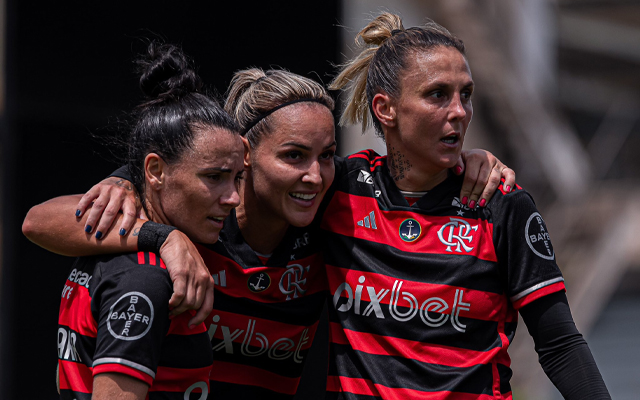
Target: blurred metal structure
558, 99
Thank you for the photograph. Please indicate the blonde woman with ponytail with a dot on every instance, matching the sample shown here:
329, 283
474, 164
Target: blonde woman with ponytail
426, 288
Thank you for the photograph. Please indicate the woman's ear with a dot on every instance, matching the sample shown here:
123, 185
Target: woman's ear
247, 153
155, 170
384, 109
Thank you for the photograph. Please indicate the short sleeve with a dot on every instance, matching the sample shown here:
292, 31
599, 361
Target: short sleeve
131, 307
524, 249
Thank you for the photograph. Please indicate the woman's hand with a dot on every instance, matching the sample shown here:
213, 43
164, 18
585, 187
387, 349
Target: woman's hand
192, 281
482, 177
109, 197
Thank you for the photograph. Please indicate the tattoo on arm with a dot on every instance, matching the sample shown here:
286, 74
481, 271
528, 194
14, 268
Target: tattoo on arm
125, 184
398, 165
136, 232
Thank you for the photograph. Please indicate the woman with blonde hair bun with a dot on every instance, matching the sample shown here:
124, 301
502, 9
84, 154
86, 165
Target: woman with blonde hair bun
426, 292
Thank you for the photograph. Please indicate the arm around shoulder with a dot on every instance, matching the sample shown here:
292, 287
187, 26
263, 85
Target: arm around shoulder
54, 226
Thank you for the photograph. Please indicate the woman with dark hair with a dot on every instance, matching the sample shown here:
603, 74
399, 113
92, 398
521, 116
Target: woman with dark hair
115, 337
429, 305
268, 264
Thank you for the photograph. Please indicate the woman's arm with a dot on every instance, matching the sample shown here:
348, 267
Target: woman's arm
51, 226
109, 386
562, 351
483, 173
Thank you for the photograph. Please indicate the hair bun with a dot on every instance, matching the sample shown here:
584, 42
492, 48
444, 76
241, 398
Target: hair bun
166, 73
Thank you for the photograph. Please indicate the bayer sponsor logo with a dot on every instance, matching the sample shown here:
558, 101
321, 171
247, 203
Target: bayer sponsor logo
538, 238
130, 317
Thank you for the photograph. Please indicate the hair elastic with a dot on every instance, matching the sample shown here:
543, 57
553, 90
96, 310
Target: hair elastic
276, 108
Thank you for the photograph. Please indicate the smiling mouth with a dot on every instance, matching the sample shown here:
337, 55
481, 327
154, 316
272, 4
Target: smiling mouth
217, 219
303, 196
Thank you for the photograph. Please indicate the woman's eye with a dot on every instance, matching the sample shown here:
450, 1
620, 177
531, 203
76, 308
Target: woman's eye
466, 94
215, 177
438, 94
327, 155
294, 155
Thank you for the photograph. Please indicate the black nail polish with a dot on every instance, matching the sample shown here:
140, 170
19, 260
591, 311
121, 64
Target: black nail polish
87, 228
123, 231
77, 213
98, 235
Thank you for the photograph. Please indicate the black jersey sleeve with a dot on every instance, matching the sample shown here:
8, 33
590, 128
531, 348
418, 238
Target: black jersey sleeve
130, 305
562, 351
524, 249
122, 172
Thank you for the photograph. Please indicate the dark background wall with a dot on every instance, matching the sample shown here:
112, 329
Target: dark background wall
69, 73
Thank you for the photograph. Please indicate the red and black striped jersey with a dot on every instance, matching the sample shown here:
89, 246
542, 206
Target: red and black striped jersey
266, 312
425, 297
114, 317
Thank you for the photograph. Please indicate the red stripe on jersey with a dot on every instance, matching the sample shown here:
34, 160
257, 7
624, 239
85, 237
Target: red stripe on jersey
409, 349
367, 388
556, 287
179, 379
365, 154
75, 376
237, 277
405, 293
123, 369
180, 324
252, 376
141, 259
241, 328
162, 264
152, 258
78, 316
346, 210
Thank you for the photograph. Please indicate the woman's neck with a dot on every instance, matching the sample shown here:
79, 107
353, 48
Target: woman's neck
411, 174
260, 229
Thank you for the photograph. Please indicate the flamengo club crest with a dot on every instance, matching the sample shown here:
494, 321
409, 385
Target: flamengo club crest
457, 234
410, 230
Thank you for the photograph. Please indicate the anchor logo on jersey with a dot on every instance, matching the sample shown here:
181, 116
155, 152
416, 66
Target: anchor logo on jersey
259, 282
457, 240
293, 280
410, 230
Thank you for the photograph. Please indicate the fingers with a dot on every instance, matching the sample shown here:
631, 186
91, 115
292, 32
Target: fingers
106, 212
493, 182
86, 200
179, 291
205, 308
130, 214
458, 169
469, 182
509, 176
477, 180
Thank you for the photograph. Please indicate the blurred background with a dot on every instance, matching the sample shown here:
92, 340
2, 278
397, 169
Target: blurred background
557, 99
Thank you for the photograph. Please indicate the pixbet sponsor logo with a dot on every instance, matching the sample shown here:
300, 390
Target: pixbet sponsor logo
432, 311
254, 343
